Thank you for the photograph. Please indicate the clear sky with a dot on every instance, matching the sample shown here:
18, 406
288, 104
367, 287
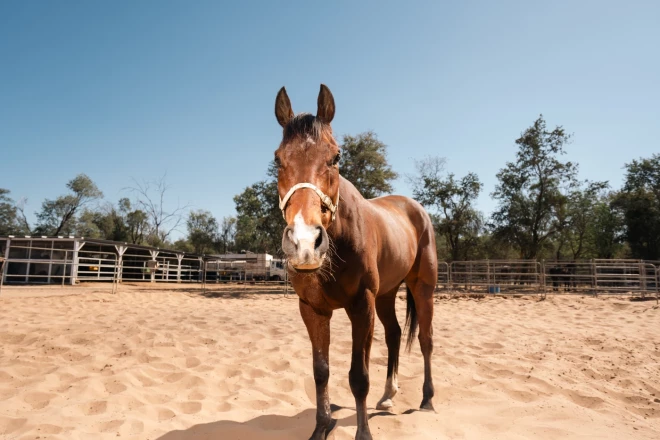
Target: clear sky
126, 89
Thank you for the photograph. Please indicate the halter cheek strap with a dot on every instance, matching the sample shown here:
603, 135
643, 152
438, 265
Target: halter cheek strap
326, 200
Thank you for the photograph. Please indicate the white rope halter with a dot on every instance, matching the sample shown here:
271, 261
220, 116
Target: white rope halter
326, 200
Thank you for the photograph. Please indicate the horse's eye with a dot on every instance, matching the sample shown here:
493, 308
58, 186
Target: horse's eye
335, 161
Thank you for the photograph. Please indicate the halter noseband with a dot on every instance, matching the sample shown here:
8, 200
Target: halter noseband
326, 200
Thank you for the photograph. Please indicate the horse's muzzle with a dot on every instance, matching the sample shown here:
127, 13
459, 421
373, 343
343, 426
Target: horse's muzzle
305, 246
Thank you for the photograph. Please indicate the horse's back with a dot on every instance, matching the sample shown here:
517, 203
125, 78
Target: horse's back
403, 211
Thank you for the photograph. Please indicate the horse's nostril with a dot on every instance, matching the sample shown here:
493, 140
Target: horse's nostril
319, 238
290, 236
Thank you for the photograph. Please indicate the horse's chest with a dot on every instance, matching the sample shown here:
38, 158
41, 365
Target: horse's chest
328, 295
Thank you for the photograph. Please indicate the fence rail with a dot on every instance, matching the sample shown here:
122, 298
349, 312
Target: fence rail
49, 261
636, 277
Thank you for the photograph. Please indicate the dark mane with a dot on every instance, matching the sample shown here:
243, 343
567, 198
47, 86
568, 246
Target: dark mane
303, 124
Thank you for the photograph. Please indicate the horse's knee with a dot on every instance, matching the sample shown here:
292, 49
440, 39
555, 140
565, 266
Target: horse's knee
425, 342
358, 378
321, 373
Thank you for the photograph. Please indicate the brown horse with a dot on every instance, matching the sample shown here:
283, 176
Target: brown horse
347, 252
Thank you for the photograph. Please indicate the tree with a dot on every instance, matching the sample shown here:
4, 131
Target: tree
364, 163
9, 220
202, 231
227, 236
183, 245
58, 216
151, 200
137, 225
529, 191
606, 228
259, 222
639, 201
582, 214
452, 200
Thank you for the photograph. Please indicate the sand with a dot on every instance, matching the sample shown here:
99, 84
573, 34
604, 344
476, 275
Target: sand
168, 363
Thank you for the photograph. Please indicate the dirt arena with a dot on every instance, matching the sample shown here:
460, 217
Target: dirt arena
170, 363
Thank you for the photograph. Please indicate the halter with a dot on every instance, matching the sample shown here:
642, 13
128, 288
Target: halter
326, 200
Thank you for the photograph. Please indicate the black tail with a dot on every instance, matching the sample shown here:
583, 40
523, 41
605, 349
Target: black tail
411, 319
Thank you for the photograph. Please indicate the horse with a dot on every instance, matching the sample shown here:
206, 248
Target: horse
347, 252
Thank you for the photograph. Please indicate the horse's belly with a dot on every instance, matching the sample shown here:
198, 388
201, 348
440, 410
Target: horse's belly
394, 264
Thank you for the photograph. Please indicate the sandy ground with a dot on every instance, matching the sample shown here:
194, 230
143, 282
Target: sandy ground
169, 363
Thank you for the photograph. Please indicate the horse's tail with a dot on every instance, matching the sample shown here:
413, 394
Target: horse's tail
411, 319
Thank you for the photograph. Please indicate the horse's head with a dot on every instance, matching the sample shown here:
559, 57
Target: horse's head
308, 180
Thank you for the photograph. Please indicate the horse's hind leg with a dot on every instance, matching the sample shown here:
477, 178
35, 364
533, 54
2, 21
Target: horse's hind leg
385, 308
422, 293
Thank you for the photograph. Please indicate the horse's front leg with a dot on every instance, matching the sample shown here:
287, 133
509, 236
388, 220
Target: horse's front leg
361, 314
318, 327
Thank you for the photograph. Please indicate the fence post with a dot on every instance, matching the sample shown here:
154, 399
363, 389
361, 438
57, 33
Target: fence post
594, 277
66, 258
450, 276
77, 246
642, 274
468, 286
657, 281
179, 257
119, 262
488, 283
5, 264
154, 255
541, 277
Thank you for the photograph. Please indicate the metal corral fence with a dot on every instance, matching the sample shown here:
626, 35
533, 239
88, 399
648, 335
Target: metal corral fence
60, 260
598, 276
68, 260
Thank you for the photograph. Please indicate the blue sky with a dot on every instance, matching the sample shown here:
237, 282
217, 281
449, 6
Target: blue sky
122, 90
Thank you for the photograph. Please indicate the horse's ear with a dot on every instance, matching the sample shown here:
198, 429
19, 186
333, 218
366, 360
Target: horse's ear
283, 111
326, 105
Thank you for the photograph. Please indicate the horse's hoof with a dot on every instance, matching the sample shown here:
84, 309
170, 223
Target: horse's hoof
385, 405
427, 406
331, 427
323, 432
364, 435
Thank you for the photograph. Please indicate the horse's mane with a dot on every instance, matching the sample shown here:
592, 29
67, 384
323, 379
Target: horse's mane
304, 124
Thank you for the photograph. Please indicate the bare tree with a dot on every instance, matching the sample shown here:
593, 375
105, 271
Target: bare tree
227, 234
151, 198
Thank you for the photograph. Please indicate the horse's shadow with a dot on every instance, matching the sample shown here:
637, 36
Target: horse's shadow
267, 427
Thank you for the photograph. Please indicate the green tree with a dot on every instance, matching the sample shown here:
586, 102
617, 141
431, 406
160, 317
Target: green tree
120, 223
606, 228
9, 220
259, 222
639, 201
58, 216
364, 163
574, 216
183, 245
202, 231
529, 191
452, 200
137, 226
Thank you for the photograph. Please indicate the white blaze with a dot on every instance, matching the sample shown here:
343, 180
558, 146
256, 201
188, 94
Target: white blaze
302, 232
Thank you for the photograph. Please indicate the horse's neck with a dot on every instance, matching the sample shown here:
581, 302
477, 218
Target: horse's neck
347, 212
